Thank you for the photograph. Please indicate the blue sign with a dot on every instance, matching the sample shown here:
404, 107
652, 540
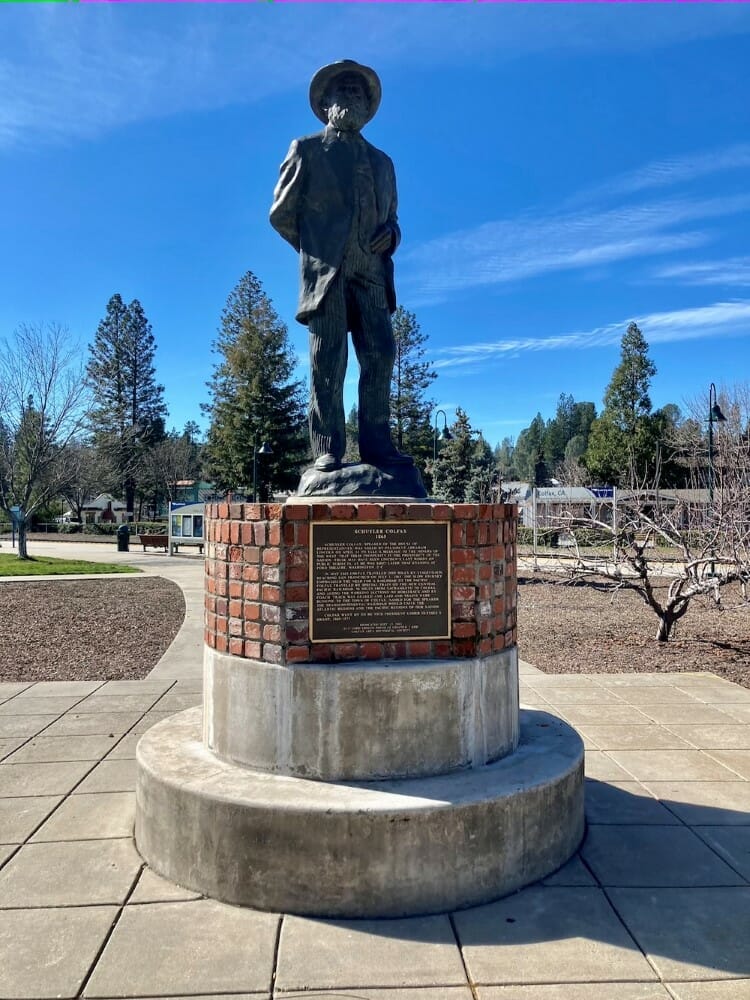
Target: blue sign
603, 492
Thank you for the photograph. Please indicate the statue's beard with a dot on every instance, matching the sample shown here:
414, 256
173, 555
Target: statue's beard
346, 119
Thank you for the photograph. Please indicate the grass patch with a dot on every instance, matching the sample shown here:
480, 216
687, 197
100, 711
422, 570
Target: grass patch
11, 565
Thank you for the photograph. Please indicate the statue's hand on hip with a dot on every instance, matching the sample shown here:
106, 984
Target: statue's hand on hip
382, 240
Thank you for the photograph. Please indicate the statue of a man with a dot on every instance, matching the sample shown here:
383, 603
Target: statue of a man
335, 202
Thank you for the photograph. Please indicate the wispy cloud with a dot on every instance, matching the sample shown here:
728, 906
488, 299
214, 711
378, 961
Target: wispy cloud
721, 319
510, 250
73, 74
732, 271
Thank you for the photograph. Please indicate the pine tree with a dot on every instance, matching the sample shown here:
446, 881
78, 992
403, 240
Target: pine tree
252, 397
484, 473
622, 443
352, 436
452, 471
128, 409
411, 410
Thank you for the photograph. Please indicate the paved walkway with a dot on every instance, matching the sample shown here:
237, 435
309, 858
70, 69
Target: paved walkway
655, 905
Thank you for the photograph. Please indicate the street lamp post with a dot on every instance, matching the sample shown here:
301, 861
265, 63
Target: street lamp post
714, 415
265, 449
445, 434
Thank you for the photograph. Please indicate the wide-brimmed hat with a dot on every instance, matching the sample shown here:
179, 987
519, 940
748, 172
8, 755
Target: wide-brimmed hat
322, 80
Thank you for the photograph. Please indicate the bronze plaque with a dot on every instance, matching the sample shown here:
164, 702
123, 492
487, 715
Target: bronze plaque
375, 580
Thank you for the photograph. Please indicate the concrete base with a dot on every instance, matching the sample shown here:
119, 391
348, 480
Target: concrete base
361, 721
376, 849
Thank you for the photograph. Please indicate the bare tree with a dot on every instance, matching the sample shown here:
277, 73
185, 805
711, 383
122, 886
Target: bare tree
706, 527
42, 407
86, 475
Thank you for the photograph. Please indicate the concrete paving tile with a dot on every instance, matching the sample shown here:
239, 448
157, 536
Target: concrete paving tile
176, 701
577, 991
7, 746
574, 872
737, 760
118, 702
599, 765
150, 719
663, 765
110, 776
37, 706
663, 695
530, 700
634, 738
63, 688
24, 725
174, 948
41, 779
705, 803
152, 888
739, 712
653, 856
732, 694
90, 817
624, 715
441, 993
20, 817
144, 686
74, 873
731, 842
124, 749
727, 989
47, 953
9, 689
593, 695
348, 954
644, 679
697, 713
690, 933
709, 737
49, 749
571, 935
622, 802
5, 852
94, 724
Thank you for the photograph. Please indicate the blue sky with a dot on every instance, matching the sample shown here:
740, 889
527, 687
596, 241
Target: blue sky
562, 169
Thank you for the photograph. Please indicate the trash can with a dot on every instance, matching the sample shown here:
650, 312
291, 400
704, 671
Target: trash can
123, 538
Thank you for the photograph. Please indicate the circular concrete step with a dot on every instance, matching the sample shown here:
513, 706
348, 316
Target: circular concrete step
358, 849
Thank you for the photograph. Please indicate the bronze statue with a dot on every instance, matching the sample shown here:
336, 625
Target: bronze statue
335, 202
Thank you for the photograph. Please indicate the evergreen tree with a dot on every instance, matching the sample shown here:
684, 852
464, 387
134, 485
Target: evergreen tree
529, 452
622, 442
128, 404
484, 473
411, 410
352, 436
252, 397
505, 460
452, 471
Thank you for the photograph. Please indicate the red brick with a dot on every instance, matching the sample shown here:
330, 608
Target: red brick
297, 654
443, 649
296, 592
463, 574
221, 588
485, 626
224, 532
297, 557
419, 648
274, 533
259, 533
297, 612
251, 591
250, 572
253, 512
462, 556
211, 585
394, 511
343, 511
484, 592
464, 593
288, 534
346, 651
485, 647
369, 512
458, 533
223, 510
235, 608
271, 613
463, 611
395, 650
235, 588
235, 626
464, 647
246, 533
321, 652
302, 534
296, 574
484, 533
320, 512
297, 511
235, 571
466, 511
209, 639
371, 650
297, 631
271, 557
442, 512
272, 633
271, 593
274, 511
471, 534
485, 572
252, 611
222, 643
498, 642
271, 574
253, 630
462, 630
236, 646
418, 512
485, 512
222, 605
252, 649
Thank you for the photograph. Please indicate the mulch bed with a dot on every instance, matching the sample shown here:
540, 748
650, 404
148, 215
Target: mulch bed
580, 628
86, 629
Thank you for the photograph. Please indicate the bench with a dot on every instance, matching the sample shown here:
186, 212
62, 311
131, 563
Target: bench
186, 541
154, 541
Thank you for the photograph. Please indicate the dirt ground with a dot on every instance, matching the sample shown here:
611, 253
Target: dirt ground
86, 629
586, 628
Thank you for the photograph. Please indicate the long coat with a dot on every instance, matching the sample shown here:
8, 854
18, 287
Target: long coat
313, 209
